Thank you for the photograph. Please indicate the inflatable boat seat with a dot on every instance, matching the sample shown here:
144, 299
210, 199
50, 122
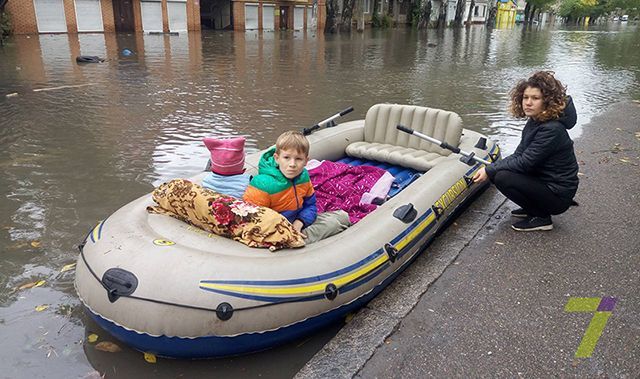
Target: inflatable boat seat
384, 143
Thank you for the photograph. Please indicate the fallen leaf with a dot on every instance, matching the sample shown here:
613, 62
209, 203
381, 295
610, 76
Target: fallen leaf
499, 243
68, 267
92, 338
39, 283
348, 318
42, 307
624, 160
149, 357
580, 174
618, 129
36, 244
109, 347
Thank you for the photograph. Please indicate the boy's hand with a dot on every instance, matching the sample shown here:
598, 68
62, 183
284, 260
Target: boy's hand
297, 225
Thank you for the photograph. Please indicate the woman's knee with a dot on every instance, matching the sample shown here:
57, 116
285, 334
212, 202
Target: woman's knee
503, 178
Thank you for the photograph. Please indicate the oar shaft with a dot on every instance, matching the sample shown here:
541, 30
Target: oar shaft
307, 131
442, 144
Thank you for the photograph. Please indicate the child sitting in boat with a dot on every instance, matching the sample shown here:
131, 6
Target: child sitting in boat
283, 185
227, 166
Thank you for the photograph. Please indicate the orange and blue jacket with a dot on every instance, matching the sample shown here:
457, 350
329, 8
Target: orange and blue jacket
293, 198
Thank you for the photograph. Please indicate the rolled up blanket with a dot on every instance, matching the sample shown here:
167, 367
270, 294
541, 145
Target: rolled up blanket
224, 215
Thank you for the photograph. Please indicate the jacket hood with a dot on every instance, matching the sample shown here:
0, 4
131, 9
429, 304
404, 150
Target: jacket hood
569, 117
269, 166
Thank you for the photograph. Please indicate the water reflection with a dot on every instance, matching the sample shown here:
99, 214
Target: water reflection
71, 156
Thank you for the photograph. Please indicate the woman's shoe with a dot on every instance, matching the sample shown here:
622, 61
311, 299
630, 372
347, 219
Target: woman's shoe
533, 223
520, 213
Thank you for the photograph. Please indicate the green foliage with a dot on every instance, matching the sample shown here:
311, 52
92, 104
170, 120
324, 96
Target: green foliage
574, 9
5, 24
415, 16
383, 21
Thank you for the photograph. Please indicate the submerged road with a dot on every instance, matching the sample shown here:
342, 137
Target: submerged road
486, 301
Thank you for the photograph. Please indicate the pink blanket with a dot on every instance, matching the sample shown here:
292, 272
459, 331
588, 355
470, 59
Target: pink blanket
341, 186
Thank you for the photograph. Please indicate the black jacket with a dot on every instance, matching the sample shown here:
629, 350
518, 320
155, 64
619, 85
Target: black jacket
546, 152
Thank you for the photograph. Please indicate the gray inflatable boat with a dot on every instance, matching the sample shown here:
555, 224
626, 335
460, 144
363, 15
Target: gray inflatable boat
168, 288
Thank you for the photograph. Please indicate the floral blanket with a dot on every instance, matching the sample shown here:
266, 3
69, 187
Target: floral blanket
224, 215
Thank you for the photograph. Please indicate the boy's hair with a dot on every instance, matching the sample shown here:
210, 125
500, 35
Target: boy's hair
293, 140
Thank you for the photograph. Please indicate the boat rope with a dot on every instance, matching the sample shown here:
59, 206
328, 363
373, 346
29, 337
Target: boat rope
217, 310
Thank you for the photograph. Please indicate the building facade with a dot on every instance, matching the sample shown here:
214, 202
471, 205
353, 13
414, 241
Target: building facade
162, 16
278, 15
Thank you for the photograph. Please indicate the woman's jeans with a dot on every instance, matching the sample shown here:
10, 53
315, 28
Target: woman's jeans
530, 194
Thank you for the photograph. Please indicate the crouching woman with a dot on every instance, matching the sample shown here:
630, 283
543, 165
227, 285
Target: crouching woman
541, 176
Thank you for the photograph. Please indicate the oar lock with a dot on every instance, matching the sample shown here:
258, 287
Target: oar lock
119, 282
391, 251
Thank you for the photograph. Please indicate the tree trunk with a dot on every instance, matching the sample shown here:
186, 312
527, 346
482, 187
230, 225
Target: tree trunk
442, 16
491, 15
532, 13
457, 21
331, 23
2, 4
470, 15
425, 15
347, 15
527, 9
360, 15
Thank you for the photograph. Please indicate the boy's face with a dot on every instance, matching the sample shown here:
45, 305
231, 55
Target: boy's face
290, 162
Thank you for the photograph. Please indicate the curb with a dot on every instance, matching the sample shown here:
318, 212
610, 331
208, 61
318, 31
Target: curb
346, 353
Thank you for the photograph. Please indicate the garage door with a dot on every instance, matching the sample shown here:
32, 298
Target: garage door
151, 16
50, 16
310, 24
268, 17
251, 16
89, 16
177, 13
298, 17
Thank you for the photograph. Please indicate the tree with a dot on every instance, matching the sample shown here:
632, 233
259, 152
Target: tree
574, 10
425, 15
347, 15
331, 23
442, 16
5, 24
491, 15
457, 21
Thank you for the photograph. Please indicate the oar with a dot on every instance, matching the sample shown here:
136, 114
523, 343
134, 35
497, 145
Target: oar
469, 156
307, 131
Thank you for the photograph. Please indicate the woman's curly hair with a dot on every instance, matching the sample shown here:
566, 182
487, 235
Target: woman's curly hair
554, 95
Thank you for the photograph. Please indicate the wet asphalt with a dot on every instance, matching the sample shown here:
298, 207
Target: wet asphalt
487, 301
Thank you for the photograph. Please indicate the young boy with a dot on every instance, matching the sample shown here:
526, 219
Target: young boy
283, 185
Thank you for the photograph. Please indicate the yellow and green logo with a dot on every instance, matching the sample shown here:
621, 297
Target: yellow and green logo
602, 309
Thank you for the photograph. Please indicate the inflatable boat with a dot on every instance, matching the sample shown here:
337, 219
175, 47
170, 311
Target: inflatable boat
168, 288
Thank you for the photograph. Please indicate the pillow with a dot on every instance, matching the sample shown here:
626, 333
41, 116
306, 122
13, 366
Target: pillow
225, 216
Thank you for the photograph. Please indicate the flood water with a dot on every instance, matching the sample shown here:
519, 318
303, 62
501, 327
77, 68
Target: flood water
79, 141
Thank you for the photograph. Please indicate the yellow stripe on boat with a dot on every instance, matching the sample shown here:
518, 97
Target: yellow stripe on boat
416, 231
302, 290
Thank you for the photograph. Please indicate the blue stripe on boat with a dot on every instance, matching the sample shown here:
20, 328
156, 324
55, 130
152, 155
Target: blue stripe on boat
218, 346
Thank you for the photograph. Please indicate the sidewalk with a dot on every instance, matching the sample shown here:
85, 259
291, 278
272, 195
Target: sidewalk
499, 307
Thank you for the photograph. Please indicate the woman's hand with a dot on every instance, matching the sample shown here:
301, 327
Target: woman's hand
297, 225
480, 176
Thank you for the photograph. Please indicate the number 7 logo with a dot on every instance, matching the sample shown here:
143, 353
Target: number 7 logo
602, 308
